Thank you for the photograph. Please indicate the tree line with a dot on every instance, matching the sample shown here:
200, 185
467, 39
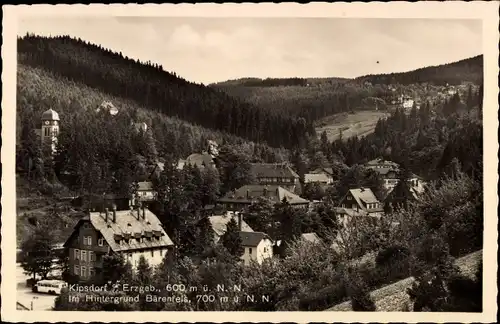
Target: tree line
467, 70
101, 152
424, 140
151, 86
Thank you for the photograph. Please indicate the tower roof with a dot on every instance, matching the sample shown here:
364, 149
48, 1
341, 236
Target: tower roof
50, 115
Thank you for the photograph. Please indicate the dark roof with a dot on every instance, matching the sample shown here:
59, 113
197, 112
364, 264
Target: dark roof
384, 171
50, 115
252, 238
273, 170
328, 171
251, 193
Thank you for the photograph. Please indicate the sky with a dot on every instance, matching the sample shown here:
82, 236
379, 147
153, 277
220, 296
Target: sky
207, 50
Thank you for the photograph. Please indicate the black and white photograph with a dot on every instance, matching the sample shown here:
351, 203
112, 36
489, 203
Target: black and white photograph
171, 161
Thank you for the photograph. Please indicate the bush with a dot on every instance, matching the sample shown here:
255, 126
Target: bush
31, 282
362, 301
391, 254
324, 298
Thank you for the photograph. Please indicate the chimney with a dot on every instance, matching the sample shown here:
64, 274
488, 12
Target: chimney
143, 212
240, 221
114, 213
248, 194
277, 192
138, 213
107, 212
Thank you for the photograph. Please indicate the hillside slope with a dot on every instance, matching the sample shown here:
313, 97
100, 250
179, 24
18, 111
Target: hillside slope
467, 70
39, 90
315, 99
394, 297
155, 89
98, 143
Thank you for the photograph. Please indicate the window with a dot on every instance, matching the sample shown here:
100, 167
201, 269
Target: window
91, 256
87, 240
152, 253
77, 270
77, 254
100, 241
84, 255
161, 252
91, 272
249, 250
84, 272
348, 197
47, 131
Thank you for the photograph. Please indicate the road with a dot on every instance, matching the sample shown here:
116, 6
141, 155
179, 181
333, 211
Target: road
29, 299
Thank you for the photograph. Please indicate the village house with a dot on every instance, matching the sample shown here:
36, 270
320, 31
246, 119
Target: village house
321, 178
280, 174
204, 160
219, 224
257, 246
360, 202
397, 198
133, 233
145, 192
381, 163
239, 199
310, 238
326, 171
389, 172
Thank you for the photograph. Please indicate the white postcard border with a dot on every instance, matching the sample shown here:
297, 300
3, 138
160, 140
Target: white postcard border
486, 11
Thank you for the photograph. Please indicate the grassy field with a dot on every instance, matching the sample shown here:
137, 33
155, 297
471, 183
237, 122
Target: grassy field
359, 123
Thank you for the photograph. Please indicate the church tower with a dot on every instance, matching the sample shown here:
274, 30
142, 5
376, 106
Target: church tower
50, 129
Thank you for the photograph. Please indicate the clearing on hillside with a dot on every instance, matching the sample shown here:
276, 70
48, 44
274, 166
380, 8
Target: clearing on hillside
359, 123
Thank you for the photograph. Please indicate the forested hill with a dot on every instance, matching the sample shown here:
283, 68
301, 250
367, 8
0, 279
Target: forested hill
151, 86
467, 70
317, 98
277, 82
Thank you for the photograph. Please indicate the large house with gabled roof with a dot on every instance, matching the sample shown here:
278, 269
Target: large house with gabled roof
133, 233
360, 202
276, 174
246, 195
219, 224
389, 172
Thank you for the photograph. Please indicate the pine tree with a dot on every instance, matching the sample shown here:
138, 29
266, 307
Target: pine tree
113, 268
205, 237
143, 273
401, 195
362, 302
234, 169
231, 239
259, 215
38, 253
210, 187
